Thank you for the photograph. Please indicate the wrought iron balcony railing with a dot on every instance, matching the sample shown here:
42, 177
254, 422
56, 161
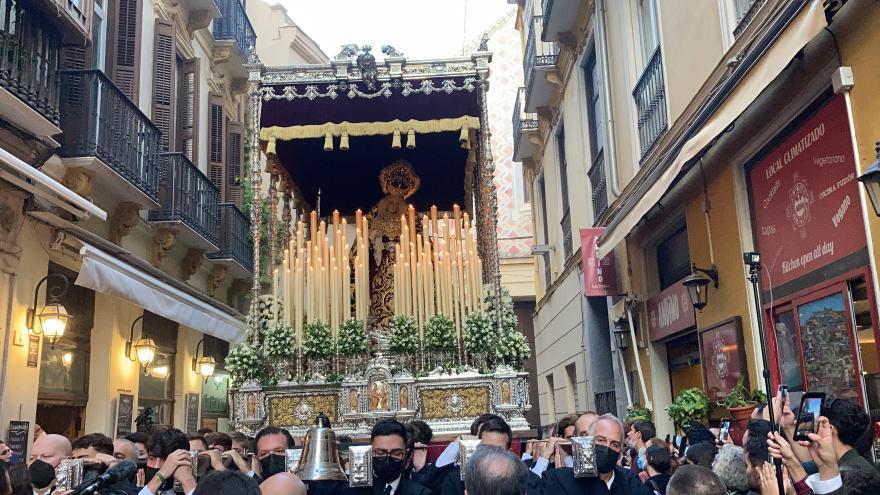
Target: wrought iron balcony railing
186, 195
30, 48
546, 11
650, 97
522, 121
599, 188
538, 53
235, 237
99, 120
748, 8
233, 24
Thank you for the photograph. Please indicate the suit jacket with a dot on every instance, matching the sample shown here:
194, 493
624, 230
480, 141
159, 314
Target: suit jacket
562, 482
431, 477
854, 460
406, 487
453, 485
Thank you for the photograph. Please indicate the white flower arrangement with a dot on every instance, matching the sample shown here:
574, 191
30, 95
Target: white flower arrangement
317, 340
479, 333
278, 341
352, 340
508, 317
439, 333
267, 309
243, 362
513, 348
403, 335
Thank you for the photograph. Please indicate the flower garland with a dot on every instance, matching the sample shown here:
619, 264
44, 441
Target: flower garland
479, 333
317, 340
439, 333
278, 341
352, 340
243, 363
513, 348
403, 335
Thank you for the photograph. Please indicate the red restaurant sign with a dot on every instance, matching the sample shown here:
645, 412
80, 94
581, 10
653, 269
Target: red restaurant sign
670, 312
600, 277
805, 197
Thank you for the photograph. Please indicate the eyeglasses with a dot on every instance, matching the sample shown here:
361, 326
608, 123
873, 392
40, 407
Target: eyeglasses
396, 453
5, 451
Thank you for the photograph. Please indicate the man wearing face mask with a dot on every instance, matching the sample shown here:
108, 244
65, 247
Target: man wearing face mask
639, 433
168, 461
608, 435
272, 444
47, 453
391, 455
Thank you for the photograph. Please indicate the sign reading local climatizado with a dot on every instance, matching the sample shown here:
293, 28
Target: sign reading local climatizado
669, 312
805, 197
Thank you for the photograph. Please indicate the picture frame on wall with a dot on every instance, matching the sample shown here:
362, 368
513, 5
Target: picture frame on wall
192, 412
723, 358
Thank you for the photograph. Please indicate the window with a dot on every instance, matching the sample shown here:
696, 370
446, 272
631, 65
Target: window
742, 7
99, 35
546, 235
186, 125
673, 258
214, 397
565, 222
156, 389
551, 398
520, 191
596, 124
649, 29
571, 386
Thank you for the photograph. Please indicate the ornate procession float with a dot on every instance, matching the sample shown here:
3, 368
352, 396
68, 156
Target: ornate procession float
386, 297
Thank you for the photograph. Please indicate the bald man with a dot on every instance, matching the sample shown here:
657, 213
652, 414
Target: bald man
51, 449
125, 450
283, 484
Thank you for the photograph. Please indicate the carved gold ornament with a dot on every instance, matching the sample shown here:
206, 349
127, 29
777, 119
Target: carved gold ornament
300, 410
455, 402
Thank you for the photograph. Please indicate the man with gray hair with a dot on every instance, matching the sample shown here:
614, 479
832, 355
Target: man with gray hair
493, 470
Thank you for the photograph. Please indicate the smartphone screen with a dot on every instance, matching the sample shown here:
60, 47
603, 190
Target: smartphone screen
783, 391
725, 430
810, 410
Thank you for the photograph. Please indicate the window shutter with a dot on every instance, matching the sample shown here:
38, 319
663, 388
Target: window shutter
73, 57
123, 58
235, 158
163, 83
188, 110
216, 141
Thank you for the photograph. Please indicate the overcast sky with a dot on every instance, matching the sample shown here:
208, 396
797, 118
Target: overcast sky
417, 28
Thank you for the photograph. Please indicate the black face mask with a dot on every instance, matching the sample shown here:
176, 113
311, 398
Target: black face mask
273, 464
387, 469
606, 458
42, 473
150, 472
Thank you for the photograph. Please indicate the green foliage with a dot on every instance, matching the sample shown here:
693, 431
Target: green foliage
439, 333
479, 333
317, 340
403, 335
759, 396
513, 348
637, 413
690, 405
352, 339
278, 341
739, 396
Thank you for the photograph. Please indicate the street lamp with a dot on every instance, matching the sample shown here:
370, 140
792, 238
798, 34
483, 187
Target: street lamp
871, 180
53, 317
161, 370
621, 334
145, 349
698, 285
205, 365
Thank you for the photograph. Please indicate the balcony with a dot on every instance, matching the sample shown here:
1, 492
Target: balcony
559, 18
235, 243
106, 133
539, 60
650, 98
524, 125
30, 47
233, 35
599, 187
188, 201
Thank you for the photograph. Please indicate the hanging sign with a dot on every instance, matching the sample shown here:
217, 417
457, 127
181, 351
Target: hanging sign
670, 311
600, 276
805, 197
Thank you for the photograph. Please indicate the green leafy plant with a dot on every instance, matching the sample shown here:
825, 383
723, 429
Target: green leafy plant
479, 333
513, 348
244, 363
690, 405
439, 334
317, 340
759, 396
739, 395
352, 339
637, 413
278, 341
403, 335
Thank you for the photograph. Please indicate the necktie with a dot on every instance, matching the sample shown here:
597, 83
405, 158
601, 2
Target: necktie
388, 489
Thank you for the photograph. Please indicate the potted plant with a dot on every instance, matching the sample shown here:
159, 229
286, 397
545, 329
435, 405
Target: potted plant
690, 405
739, 402
637, 413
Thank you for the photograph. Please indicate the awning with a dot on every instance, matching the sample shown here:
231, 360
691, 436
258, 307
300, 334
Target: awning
803, 28
103, 273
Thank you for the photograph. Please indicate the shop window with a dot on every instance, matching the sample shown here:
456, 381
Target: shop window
214, 390
673, 258
827, 346
683, 361
867, 341
156, 388
788, 352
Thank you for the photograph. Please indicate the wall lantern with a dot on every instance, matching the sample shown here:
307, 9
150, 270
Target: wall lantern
145, 349
698, 285
205, 365
621, 334
67, 360
53, 317
871, 180
161, 370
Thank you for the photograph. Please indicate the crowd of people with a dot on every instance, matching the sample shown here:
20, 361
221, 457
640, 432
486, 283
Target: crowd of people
630, 460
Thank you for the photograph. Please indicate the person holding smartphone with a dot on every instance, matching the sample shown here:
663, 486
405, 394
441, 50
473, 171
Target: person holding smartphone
849, 422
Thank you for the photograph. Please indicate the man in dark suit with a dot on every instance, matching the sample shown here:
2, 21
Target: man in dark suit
608, 434
392, 453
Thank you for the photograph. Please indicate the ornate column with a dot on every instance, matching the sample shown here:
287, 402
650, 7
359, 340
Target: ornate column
286, 216
255, 69
273, 221
488, 199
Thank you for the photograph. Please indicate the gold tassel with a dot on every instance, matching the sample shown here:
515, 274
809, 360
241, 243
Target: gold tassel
343, 141
410, 139
270, 146
395, 141
328, 142
465, 137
